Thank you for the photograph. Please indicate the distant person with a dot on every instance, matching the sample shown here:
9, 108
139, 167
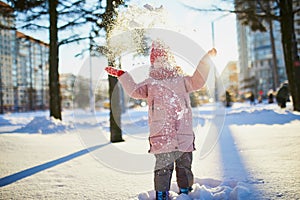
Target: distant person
282, 95
252, 99
227, 99
270, 98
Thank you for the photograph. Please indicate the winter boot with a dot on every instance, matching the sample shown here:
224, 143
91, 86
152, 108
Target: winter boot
162, 195
185, 190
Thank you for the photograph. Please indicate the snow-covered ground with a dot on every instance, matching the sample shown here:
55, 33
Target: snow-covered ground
256, 156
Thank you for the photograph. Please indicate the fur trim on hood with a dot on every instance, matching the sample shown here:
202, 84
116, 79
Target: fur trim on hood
165, 73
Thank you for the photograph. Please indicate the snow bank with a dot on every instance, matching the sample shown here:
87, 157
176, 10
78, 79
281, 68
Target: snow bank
4, 121
206, 189
21, 118
45, 125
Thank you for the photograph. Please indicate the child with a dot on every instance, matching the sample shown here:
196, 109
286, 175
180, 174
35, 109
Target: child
170, 116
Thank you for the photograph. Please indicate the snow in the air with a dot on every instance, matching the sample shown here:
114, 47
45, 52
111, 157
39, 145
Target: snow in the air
256, 156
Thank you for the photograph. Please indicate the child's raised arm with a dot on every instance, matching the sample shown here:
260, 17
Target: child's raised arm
198, 79
134, 90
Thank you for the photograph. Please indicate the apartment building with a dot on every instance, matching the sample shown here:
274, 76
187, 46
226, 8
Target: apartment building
31, 73
268, 74
230, 78
7, 45
260, 69
24, 67
67, 89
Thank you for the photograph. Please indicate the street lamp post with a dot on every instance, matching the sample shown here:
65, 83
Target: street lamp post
213, 33
213, 44
42, 77
213, 27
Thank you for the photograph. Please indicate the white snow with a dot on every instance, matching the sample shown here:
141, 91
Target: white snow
45, 125
255, 157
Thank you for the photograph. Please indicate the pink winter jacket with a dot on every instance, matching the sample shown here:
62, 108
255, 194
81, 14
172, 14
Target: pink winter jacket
169, 114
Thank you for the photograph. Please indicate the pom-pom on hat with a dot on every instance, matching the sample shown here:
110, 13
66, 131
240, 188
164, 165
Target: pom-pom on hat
158, 49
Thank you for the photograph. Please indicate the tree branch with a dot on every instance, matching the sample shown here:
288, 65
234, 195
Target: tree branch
33, 17
74, 38
31, 26
237, 11
67, 7
205, 9
267, 11
295, 11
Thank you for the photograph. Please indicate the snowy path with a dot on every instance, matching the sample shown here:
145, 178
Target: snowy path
258, 149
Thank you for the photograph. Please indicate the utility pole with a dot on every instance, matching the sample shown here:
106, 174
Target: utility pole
92, 100
30, 77
42, 77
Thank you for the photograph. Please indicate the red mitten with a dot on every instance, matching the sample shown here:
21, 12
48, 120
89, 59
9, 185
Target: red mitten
113, 71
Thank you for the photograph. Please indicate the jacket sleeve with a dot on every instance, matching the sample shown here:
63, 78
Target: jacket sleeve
199, 77
134, 90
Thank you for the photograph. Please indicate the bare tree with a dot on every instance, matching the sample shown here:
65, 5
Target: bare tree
64, 15
254, 13
115, 117
54, 16
282, 11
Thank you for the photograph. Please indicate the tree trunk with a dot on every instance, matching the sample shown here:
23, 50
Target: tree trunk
290, 55
115, 110
54, 87
115, 104
274, 57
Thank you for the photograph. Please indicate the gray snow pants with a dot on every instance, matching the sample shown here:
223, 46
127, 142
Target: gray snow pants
164, 167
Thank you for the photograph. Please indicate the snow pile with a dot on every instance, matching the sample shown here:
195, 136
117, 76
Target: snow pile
4, 121
20, 118
45, 125
206, 191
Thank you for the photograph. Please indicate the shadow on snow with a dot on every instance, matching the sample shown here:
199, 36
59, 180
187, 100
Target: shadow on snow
33, 170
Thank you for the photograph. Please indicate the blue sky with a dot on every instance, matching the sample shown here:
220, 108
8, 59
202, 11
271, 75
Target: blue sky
193, 24
197, 26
